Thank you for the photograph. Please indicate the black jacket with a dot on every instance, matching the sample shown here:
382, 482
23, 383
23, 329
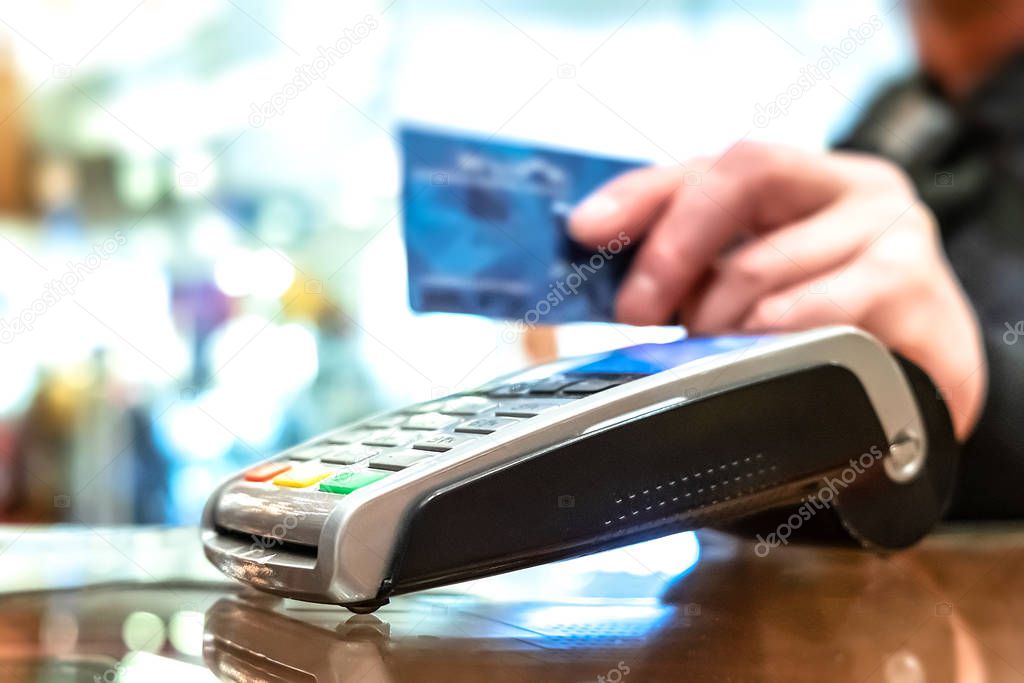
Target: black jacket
967, 162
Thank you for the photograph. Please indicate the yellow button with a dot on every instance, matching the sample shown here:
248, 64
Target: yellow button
301, 477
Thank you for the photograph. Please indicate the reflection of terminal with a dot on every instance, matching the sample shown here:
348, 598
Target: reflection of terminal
247, 643
732, 618
432, 639
945, 610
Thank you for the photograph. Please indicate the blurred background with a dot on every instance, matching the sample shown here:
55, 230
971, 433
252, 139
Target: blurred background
200, 235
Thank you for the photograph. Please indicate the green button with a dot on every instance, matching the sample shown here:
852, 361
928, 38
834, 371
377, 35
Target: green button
347, 482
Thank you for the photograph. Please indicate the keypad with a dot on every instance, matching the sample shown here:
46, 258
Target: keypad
350, 454
467, 405
398, 460
309, 452
416, 434
343, 436
302, 476
568, 385
552, 384
267, 471
509, 390
485, 425
389, 438
529, 407
347, 482
591, 386
443, 441
430, 421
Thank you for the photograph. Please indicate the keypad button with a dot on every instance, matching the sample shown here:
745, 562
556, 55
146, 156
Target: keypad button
430, 421
302, 476
529, 407
309, 452
385, 421
443, 442
389, 438
467, 405
350, 454
347, 482
592, 386
348, 436
398, 460
514, 389
266, 471
485, 425
552, 384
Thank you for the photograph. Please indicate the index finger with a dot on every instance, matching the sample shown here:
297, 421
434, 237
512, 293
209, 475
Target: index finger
628, 205
752, 188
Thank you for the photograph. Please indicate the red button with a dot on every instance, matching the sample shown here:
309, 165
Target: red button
267, 471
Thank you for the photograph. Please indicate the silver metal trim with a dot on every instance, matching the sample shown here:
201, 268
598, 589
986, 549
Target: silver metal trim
357, 539
906, 456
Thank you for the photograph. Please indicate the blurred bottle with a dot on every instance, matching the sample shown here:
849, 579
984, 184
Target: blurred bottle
14, 147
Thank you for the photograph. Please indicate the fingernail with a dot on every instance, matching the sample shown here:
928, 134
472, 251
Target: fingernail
597, 207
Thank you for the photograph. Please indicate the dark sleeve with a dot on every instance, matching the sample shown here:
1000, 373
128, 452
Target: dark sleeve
980, 216
991, 481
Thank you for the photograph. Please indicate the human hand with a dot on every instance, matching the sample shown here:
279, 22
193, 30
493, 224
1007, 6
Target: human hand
766, 238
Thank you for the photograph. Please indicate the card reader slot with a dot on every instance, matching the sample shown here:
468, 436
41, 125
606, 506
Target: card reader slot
264, 546
289, 570
276, 515
236, 554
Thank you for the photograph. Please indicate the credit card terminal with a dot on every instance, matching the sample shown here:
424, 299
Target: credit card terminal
592, 453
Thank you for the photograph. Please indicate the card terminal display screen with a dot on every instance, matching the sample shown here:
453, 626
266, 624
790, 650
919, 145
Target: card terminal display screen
648, 359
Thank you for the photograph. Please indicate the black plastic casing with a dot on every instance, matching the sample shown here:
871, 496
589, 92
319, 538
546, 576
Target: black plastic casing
745, 458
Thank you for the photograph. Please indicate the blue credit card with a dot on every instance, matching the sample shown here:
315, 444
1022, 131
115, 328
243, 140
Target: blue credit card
485, 224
